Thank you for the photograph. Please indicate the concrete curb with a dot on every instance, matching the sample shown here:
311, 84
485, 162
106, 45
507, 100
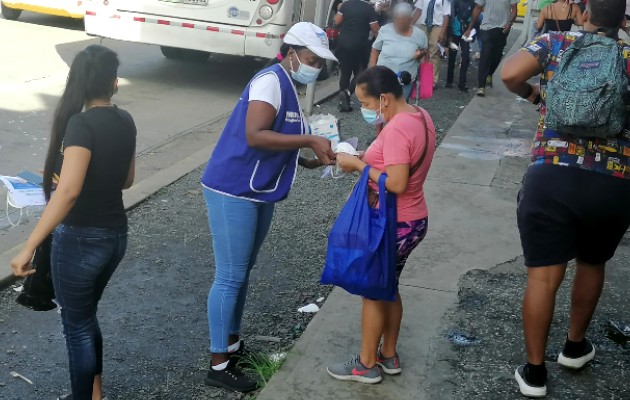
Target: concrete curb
144, 189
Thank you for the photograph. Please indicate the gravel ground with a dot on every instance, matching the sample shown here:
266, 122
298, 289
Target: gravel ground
488, 323
153, 315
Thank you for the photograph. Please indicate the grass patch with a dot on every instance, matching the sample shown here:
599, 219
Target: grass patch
264, 366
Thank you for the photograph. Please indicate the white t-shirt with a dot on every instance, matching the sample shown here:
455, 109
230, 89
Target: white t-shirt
442, 8
266, 88
627, 7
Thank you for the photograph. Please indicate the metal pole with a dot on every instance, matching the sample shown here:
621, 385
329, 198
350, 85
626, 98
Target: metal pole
320, 16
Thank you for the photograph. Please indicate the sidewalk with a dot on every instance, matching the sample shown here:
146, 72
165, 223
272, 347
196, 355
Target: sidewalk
471, 194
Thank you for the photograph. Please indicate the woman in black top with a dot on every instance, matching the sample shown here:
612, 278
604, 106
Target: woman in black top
461, 16
355, 19
94, 142
559, 16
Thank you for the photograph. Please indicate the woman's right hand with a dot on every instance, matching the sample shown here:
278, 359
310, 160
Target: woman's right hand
21, 264
322, 149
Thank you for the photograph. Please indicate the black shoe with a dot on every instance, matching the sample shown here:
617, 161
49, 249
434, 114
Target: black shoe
578, 358
231, 378
463, 89
344, 101
526, 386
449, 86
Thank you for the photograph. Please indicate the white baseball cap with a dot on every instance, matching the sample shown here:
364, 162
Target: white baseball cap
312, 37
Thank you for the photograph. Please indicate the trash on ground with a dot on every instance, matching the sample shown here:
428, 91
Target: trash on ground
618, 332
278, 357
19, 288
22, 377
272, 339
462, 339
321, 299
311, 308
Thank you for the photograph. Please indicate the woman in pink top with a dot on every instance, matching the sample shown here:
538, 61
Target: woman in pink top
404, 150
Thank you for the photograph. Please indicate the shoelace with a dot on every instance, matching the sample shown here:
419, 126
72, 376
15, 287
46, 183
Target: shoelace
354, 360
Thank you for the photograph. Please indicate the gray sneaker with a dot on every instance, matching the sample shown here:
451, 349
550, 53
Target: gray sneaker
391, 366
353, 370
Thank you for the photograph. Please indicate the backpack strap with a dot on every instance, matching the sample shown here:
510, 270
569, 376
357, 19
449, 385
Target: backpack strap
417, 165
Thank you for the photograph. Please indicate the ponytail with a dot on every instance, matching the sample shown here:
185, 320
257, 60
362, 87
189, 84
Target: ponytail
92, 75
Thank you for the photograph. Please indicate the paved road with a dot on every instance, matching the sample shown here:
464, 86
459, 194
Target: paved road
166, 97
172, 102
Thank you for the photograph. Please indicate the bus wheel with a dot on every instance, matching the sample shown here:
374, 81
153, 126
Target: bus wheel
172, 52
10, 13
196, 55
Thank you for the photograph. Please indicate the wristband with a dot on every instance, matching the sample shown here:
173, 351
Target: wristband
529, 92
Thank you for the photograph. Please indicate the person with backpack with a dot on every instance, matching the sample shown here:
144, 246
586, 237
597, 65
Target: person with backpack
461, 16
575, 195
93, 143
433, 17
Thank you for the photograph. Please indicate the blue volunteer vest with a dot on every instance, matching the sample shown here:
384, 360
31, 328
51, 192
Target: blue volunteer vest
238, 170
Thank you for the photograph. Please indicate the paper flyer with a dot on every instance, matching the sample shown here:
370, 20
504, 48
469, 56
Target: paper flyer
22, 192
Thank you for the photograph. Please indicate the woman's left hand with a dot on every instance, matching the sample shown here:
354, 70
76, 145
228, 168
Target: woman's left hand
349, 163
21, 264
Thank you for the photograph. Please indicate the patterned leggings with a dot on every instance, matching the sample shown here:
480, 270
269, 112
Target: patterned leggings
408, 237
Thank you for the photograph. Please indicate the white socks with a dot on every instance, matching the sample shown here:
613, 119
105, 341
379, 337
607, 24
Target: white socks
231, 349
220, 367
234, 347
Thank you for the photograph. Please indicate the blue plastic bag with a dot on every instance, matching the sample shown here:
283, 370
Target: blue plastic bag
361, 255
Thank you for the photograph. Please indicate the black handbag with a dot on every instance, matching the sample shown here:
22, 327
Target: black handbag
38, 292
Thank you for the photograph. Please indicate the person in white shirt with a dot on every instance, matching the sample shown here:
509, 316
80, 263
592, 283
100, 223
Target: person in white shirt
433, 17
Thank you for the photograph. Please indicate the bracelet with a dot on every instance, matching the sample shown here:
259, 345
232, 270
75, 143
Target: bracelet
529, 92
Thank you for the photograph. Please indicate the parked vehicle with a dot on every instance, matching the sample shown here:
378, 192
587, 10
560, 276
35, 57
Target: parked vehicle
192, 29
12, 9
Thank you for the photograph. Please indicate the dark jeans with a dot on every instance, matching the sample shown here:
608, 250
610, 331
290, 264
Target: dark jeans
353, 59
83, 260
464, 46
494, 41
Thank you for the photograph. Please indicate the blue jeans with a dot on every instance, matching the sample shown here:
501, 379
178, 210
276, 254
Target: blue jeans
83, 259
238, 228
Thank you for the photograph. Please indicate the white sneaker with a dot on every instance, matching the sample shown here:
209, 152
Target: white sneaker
527, 389
577, 363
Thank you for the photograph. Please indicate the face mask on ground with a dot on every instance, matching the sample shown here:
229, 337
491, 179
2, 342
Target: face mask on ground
305, 73
373, 117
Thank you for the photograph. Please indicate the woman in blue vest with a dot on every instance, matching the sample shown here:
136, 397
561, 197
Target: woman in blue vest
253, 167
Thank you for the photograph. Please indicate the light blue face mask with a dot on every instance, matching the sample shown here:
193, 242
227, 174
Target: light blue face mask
305, 73
373, 117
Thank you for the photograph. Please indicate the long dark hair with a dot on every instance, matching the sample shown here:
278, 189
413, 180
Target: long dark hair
92, 75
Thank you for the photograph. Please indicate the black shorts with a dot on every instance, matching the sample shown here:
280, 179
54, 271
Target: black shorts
566, 213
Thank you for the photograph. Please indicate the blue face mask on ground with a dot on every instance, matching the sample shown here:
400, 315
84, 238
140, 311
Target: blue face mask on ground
373, 117
305, 73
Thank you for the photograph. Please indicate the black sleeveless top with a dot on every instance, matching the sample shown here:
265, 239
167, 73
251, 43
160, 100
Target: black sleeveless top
559, 25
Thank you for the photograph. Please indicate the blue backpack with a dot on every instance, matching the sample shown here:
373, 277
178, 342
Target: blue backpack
585, 96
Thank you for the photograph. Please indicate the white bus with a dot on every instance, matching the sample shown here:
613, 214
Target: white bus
12, 9
195, 28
